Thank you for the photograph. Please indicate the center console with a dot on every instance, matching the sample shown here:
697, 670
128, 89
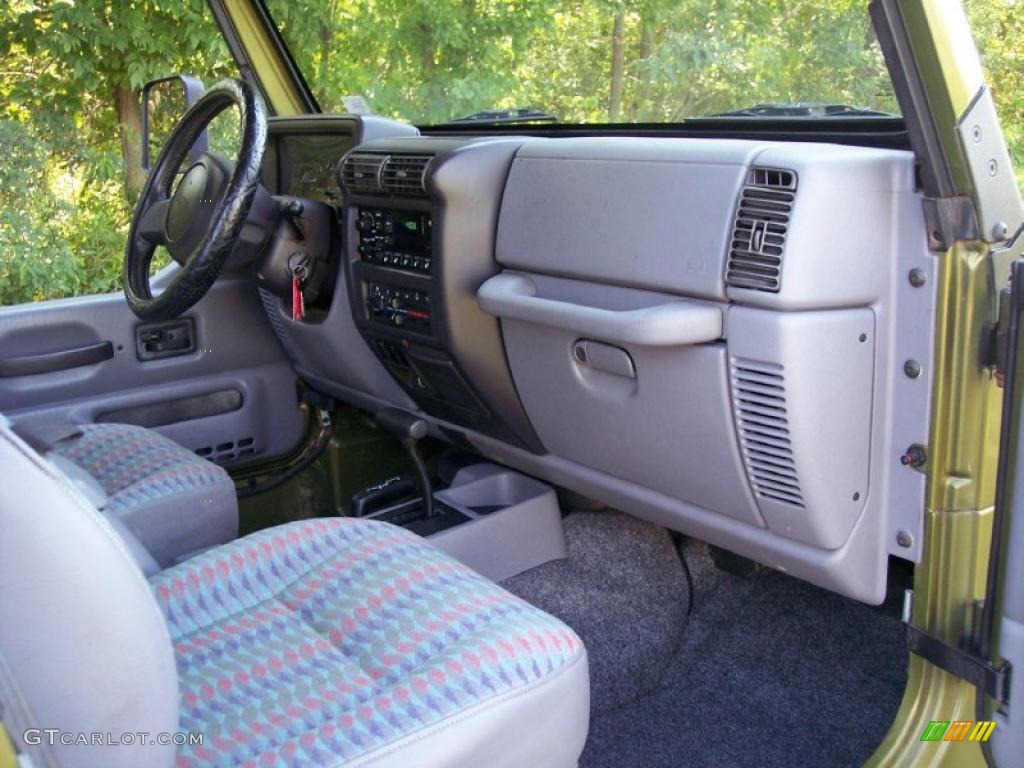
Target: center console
415, 256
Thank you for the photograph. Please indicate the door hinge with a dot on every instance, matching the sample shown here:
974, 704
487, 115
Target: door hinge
949, 220
981, 673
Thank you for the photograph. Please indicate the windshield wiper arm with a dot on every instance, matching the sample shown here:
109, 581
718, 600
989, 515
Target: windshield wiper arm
503, 117
803, 110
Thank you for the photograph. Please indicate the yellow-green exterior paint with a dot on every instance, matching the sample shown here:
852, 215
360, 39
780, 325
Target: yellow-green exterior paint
960, 67
8, 757
966, 402
948, 61
270, 69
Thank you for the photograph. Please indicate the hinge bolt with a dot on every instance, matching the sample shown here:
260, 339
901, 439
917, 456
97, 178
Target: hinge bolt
915, 457
904, 539
912, 369
917, 277
1000, 231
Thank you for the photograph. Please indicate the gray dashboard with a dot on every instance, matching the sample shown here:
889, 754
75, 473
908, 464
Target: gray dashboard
709, 334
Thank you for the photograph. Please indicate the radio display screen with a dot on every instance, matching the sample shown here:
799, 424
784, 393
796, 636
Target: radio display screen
411, 233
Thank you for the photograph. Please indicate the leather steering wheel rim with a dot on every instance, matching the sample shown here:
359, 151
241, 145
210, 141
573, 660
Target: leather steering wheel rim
202, 254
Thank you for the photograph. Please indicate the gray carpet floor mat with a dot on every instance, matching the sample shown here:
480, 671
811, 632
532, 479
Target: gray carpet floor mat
623, 590
767, 671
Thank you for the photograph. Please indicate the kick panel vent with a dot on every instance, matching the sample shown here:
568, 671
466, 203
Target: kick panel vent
360, 173
405, 174
759, 397
759, 232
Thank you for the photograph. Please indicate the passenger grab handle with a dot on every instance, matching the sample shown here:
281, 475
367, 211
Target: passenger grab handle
674, 323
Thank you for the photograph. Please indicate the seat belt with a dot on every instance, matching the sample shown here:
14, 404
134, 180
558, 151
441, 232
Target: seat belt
44, 434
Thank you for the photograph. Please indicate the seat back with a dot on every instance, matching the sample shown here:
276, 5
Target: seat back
84, 648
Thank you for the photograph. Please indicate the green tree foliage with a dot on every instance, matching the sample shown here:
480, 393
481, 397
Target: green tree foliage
602, 60
72, 70
72, 74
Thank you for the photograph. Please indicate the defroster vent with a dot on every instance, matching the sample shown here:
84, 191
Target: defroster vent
759, 232
759, 398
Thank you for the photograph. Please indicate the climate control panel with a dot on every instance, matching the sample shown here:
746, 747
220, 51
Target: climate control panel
398, 307
396, 239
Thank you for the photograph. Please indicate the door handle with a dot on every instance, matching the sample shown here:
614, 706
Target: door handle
31, 365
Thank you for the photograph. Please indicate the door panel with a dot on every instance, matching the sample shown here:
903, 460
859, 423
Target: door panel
218, 383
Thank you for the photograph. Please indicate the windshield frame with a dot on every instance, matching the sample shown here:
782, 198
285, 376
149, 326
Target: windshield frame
263, 56
313, 104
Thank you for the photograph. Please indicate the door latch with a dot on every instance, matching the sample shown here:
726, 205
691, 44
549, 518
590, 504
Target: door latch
158, 340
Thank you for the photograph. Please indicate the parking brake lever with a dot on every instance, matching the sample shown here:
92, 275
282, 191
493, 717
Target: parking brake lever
409, 430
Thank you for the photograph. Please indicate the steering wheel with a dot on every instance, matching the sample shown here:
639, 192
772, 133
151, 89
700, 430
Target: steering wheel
200, 223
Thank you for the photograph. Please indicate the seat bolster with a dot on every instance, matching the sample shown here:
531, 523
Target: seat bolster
174, 502
542, 725
182, 523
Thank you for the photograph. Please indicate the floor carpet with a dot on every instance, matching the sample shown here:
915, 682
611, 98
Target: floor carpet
767, 671
624, 591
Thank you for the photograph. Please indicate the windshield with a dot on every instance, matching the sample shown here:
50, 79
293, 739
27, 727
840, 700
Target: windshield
588, 61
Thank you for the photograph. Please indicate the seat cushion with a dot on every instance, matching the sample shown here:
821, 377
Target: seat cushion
175, 502
341, 641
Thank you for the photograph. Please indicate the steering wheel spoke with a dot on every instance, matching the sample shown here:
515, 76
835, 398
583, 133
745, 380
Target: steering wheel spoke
153, 224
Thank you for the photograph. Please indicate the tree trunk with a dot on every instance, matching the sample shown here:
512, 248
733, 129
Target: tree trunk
129, 123
641, 107
428, 60
618, 64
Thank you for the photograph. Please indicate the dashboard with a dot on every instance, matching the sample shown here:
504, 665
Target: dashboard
706, 333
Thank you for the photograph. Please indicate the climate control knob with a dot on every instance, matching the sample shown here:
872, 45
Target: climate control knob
365, 223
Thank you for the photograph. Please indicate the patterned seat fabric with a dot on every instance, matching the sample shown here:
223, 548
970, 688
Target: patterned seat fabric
174, 501
319, 641
136, 465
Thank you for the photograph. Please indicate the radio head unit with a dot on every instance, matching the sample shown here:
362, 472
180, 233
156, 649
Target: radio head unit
395, 238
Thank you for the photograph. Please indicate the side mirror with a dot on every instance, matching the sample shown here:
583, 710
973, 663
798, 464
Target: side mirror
164, 101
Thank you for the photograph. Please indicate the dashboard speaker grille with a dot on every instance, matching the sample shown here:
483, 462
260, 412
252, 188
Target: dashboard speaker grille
759, 397
361, 171
405, 174
759, 232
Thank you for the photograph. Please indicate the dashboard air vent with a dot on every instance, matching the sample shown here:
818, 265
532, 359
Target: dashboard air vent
361, 171
774, 178
405, 174
759, 232
759, 397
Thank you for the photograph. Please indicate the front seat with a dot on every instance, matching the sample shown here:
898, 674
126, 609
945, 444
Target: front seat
174, 503
324, 642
